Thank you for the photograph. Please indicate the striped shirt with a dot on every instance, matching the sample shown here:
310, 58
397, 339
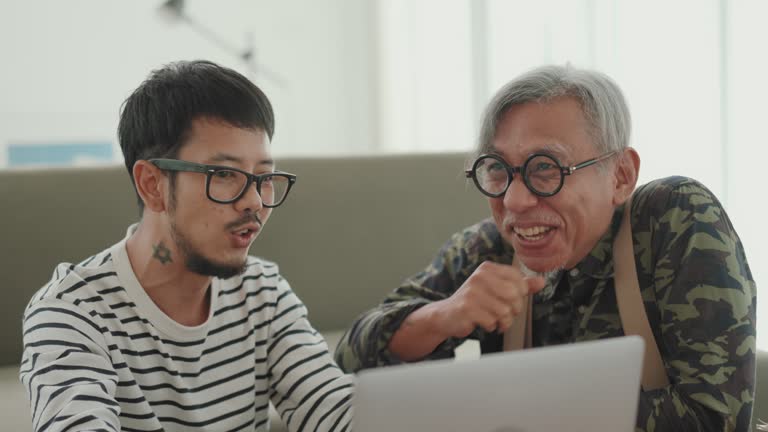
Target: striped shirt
99, 355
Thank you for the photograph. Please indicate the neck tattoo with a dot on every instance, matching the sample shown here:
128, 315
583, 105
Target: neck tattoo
161, 253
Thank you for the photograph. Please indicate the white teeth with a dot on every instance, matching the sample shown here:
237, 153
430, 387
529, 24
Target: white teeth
532, 231
243, 232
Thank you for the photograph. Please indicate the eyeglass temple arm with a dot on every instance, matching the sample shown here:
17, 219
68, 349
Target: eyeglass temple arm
571, 169
177, 165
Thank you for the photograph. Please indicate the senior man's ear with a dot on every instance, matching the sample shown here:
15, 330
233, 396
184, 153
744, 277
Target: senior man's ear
626, 172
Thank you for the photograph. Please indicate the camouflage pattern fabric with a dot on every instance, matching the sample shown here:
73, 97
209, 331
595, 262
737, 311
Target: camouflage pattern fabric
695, 281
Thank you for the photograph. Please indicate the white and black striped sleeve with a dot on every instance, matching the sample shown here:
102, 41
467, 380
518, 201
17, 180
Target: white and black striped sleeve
67, 370
308, 389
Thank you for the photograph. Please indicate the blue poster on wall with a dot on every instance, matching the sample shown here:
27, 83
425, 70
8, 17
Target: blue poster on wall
60, 154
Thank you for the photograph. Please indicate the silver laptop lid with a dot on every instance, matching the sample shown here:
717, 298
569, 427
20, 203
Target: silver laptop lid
588, 386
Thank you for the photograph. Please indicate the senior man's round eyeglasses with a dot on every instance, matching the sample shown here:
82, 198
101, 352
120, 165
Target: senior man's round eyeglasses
542, 174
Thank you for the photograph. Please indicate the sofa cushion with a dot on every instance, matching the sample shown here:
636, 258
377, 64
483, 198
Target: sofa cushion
14, 407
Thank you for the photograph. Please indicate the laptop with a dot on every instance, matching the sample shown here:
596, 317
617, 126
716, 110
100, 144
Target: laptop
588, 386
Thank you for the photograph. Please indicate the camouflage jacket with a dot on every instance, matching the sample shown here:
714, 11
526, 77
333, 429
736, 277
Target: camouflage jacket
696, 285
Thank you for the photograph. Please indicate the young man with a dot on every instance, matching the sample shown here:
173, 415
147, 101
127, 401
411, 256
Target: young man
176, 328
555, 162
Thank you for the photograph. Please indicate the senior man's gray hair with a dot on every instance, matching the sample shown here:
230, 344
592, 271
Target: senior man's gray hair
601, 100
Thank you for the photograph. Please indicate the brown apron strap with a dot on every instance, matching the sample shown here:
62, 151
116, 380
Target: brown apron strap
518, 336
631, 307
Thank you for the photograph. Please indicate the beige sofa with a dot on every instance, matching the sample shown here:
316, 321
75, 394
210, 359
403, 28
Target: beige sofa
351, 230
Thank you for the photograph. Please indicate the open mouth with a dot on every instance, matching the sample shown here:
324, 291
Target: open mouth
532, 233
246, 232
242, 237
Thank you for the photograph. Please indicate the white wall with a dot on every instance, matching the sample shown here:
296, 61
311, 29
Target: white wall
425, 63
68, 65
745, 165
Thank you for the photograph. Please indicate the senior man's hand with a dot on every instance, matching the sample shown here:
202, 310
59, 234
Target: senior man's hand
490, 299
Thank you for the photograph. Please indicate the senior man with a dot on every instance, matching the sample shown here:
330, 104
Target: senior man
555, 163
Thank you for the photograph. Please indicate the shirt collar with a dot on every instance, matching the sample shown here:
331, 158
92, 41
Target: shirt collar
599, 262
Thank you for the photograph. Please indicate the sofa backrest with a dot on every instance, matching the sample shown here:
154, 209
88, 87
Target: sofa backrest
352, 229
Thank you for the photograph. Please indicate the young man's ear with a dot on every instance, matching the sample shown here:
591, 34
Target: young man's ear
627, 170
150, 185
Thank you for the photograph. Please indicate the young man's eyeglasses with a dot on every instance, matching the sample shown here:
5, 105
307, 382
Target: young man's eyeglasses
226, 185
542, 173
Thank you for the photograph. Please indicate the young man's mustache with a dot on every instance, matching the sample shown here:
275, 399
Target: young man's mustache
246, 219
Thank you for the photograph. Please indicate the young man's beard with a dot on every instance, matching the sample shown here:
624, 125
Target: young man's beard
194, 260
198, 263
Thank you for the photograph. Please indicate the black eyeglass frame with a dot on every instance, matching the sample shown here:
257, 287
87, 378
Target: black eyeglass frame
511, 171
210, 170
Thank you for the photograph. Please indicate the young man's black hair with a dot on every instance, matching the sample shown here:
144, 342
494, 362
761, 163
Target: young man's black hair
158, 115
